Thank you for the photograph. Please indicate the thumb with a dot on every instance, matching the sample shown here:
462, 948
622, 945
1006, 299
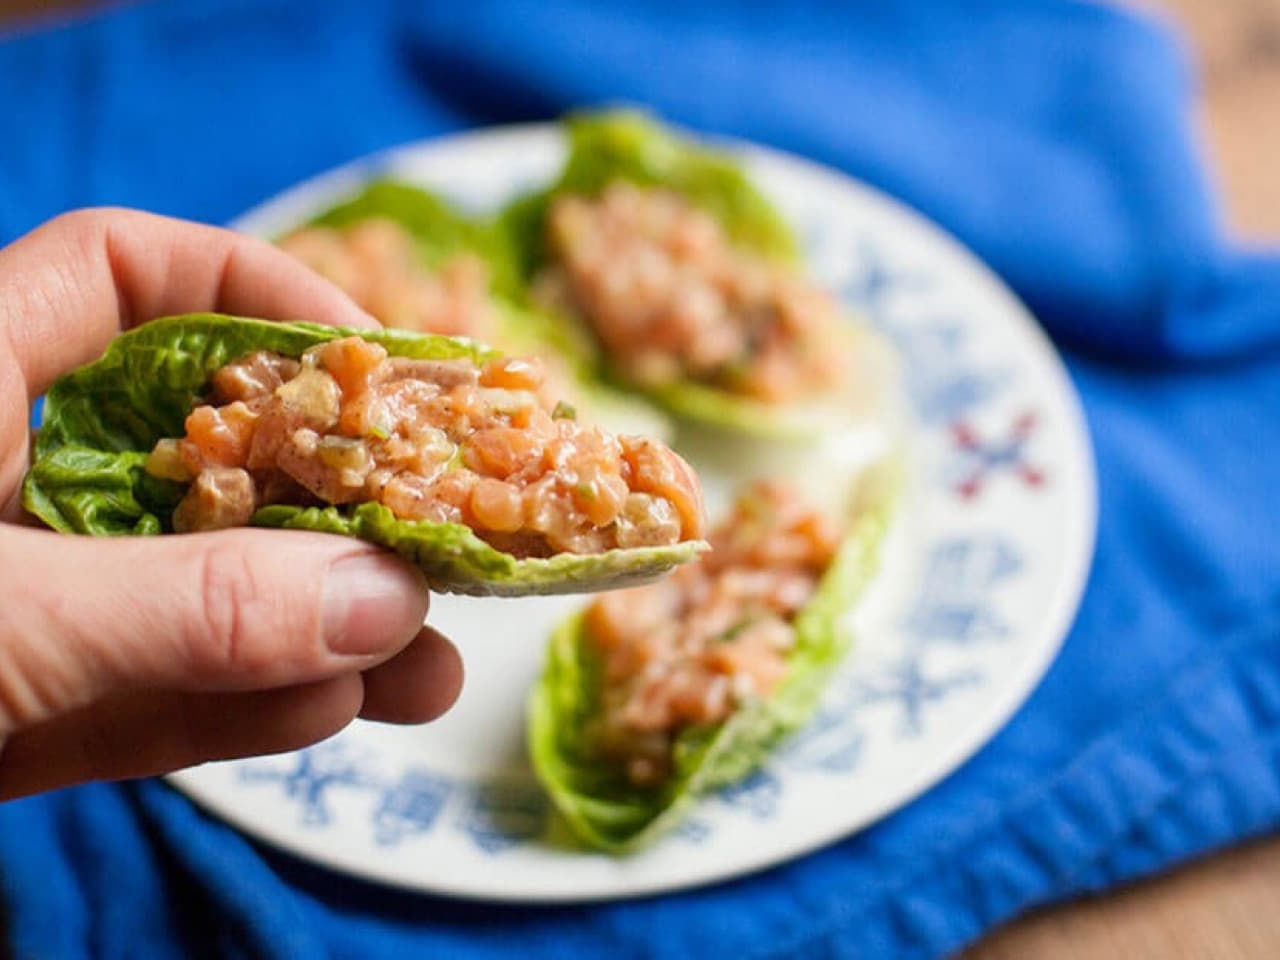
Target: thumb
233, 610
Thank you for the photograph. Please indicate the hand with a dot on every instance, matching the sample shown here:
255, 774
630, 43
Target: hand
131, 657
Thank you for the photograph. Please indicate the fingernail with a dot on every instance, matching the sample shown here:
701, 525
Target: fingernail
373, 603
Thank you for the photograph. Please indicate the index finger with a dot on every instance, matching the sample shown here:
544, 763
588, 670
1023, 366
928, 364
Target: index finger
71, 285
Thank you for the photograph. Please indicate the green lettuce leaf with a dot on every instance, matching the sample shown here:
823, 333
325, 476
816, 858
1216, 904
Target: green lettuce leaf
595, 798
442, 232
103, 419
81, 490
627, 145
622, 145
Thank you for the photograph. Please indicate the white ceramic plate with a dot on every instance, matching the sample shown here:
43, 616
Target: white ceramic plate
978, 586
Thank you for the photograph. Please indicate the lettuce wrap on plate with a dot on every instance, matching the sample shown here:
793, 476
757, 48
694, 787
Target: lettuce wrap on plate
438, 448
654, 695
416, 263
689, 282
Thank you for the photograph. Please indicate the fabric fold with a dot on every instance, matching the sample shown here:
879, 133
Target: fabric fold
1133, 800
1051, 136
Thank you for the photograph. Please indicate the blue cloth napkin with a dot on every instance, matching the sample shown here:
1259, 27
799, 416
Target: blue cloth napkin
1051, 136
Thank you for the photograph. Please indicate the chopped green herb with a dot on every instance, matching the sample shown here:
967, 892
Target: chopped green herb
731, 634
564, 411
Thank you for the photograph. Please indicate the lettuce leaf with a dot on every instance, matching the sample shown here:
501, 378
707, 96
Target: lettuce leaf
628, 145
622, 145
595, 798
442, 232
103, 419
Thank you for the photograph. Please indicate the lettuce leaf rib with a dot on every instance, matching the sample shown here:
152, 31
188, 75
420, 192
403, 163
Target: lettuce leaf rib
628, 146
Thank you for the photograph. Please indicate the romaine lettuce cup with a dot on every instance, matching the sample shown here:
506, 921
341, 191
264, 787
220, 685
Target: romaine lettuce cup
614, 805
462, 280
94, 473
704, 310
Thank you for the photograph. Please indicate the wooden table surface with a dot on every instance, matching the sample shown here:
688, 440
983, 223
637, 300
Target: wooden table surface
1227, 906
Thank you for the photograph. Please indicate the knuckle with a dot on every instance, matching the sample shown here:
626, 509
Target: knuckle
253, 623
85, 232
235, 612
48, 663
19, 705
74, 221
87, 223
43, 670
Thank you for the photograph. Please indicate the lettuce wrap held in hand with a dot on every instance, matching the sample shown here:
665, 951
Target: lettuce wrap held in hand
689, 282
438, 448
654, 695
